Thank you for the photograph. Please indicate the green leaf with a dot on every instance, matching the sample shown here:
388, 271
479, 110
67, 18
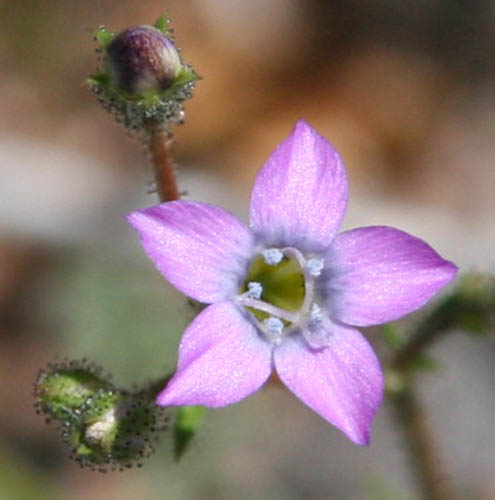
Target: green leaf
187, 422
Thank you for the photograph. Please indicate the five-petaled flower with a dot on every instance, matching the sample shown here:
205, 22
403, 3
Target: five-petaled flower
287, 292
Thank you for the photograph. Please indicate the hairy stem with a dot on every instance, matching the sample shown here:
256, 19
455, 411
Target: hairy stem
430, 329
408, 406
407, 354
163, 165
417, 435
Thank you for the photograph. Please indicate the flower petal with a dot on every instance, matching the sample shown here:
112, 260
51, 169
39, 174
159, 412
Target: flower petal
300, 195
378, 274
201, 249
222, 360
342, 382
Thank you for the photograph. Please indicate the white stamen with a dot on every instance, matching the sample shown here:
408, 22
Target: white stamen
317, 330
316, 315
254, 290
317, 335
272, 256
274, 326
260, 305
315, 266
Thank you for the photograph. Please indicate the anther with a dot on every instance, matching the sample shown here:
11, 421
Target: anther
272, 256
316, 315
254, 290
274, 326
315, 266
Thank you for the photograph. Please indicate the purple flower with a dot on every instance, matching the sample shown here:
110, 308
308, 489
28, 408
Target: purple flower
287, 292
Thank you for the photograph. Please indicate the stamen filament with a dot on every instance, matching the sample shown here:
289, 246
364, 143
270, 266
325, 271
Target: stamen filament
272, 310
309, 280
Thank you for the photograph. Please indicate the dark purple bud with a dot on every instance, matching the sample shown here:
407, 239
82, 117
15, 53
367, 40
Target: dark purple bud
142, 59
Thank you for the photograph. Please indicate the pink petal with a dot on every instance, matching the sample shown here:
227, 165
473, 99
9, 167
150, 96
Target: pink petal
379, 274
342, 382
201, 249
222, 359
300, 195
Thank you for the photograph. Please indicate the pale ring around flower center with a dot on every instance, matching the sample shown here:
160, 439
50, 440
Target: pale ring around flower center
279, 292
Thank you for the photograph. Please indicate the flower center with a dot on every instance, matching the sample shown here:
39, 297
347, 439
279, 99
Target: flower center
278, 290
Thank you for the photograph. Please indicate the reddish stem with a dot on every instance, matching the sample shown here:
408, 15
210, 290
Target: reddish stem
163, 165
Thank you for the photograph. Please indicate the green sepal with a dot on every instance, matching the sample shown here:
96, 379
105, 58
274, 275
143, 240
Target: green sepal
187, 422
118, 428
135, 111
163, 24
185, 77
103, 37
102, 424
82, 452
86, 448
63, 392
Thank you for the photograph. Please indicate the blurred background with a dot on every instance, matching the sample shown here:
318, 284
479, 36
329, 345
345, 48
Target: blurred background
404, 90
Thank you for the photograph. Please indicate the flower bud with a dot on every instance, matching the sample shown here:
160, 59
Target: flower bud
143, 82
102, 424
142, 59
117, 428
63, 389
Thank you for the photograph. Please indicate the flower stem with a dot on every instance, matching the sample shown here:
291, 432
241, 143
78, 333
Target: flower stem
417, 435
430, 329
408, 406
410, 351
163, 165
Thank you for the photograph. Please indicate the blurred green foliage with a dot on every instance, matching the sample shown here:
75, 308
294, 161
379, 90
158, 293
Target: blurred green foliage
118, 314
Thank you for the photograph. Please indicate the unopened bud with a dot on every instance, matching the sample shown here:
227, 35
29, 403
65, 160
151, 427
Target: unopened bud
143, 81
102, 424
64, 388
118, 429
142, 59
